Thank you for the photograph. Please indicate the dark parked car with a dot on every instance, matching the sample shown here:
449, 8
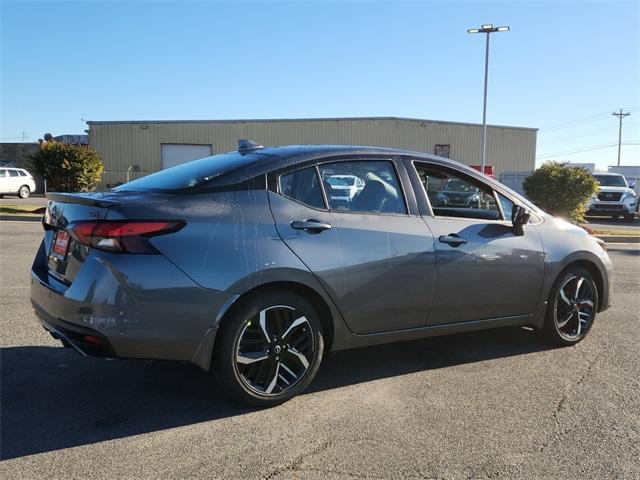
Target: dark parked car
241, 263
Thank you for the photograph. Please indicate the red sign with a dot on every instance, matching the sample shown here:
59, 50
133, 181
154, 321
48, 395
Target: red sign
61, 243
488, 169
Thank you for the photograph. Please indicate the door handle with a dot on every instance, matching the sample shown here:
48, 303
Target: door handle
452, 239
310, 225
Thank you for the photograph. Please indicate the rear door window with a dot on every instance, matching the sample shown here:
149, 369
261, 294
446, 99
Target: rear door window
364, 186
13, 173
303, 186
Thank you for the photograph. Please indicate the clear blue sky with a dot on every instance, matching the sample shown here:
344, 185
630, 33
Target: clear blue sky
561, 62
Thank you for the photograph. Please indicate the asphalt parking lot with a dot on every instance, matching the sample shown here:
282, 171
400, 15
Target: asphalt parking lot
493, 404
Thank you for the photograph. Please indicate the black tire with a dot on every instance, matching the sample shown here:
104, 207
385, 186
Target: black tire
629, 217
580, 315
616, 216
250, 383
24, 191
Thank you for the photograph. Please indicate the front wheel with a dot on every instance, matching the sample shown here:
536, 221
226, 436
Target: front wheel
24, 192
270, 348
628, 217
572, 307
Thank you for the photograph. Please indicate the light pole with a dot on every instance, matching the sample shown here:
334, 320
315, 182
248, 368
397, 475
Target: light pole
488, 30
620, 116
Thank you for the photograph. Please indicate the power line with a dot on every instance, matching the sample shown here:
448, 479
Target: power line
584, 134
576, 122
582, 150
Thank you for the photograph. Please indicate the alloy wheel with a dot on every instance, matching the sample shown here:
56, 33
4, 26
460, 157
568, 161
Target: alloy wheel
274, 350
575, 307
23, 192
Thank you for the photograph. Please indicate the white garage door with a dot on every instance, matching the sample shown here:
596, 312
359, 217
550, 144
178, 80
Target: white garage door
176, 153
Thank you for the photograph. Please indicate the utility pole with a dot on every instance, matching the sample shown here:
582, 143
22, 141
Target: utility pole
620, 116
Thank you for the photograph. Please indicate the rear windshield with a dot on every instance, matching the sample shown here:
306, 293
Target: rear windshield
191, 174
611, 180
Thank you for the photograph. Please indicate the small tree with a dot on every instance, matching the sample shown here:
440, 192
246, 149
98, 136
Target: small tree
68, 168
560, 190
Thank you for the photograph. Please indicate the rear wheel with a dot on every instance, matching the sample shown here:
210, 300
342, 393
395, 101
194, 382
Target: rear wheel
270, 349
24, 191
573, 303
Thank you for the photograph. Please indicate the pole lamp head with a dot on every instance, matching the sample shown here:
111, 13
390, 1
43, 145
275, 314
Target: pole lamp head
488, 28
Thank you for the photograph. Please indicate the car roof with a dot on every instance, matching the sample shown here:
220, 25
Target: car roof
609, 174
267, 159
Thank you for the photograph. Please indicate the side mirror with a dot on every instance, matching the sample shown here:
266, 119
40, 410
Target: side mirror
632, 185
519, 218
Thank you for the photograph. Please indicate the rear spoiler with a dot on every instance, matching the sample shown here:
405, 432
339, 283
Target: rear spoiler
89, 199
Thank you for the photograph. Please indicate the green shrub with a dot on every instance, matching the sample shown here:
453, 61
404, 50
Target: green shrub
68, 168
560, 190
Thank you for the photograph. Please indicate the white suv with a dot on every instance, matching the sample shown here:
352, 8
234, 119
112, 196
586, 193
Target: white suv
16, 181
614, 198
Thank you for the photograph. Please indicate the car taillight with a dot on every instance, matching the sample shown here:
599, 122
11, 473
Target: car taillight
126, 236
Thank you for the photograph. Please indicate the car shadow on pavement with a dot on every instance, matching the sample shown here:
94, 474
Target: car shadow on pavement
52, 398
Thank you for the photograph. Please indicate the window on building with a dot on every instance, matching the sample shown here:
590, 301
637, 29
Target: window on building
443, 150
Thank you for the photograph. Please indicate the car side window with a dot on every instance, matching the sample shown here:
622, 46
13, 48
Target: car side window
455, 195
21, 173
3, 173
507, 206
13, 173
303, 186
365, 186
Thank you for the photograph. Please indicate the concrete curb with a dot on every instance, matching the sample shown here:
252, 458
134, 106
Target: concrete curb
619, 238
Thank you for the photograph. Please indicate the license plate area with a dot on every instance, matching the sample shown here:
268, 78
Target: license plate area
60, 245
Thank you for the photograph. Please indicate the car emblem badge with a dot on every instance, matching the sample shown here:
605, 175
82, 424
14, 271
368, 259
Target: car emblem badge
277, 349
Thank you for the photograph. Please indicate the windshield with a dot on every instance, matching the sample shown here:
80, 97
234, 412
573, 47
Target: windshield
341, 181
190, 174
611, 180
460, 186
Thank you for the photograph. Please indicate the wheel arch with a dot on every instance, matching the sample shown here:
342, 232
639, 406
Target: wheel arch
594, 270
305, 291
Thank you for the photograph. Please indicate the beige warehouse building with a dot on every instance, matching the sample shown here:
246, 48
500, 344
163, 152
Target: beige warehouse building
135, 148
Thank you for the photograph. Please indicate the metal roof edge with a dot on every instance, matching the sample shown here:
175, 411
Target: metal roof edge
276, 120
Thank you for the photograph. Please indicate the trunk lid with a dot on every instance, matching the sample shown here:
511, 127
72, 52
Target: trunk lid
65, 254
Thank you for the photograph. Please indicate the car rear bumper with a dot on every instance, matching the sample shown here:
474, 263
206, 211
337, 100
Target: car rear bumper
130, 306
85, 341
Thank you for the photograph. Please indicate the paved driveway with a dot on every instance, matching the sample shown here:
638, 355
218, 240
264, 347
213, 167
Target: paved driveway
493, 404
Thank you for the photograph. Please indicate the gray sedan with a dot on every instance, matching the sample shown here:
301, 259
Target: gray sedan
245, 265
